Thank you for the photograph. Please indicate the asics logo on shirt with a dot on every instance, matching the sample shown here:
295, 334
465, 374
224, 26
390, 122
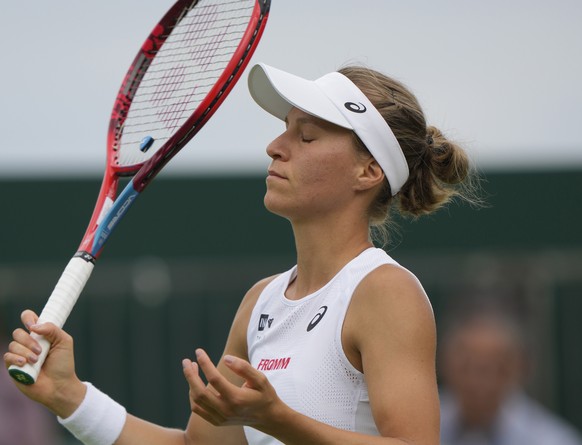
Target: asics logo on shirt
315, 320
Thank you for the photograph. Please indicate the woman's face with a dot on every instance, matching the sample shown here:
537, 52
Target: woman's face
313, 169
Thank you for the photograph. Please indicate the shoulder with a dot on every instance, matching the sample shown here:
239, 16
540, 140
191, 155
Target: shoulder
245, 310
391, 300
392, 287
253, 294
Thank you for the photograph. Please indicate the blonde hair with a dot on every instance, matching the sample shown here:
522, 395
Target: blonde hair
439, 169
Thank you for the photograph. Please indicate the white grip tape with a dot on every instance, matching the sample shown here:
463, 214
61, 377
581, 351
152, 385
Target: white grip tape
58, 308
66, 292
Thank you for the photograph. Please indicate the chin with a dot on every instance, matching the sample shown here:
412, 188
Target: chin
272, 206
277, 207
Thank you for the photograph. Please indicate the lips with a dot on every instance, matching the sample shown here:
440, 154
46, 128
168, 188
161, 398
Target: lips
275, 174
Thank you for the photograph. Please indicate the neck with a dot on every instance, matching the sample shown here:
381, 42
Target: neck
323, 250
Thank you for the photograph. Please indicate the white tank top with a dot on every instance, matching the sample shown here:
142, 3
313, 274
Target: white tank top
297, 345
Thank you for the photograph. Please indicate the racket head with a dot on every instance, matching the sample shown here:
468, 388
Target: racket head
182, 73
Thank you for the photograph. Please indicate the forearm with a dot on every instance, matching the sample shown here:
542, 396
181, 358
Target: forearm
293, 428
99, 420
140, 432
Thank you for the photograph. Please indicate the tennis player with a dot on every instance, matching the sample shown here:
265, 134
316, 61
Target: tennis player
341, 348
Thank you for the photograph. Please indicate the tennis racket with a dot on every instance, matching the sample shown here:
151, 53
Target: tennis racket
180, 76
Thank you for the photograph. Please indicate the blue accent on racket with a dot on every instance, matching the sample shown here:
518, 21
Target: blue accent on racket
112, 218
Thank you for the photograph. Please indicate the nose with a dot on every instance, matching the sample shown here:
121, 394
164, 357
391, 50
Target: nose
276, 149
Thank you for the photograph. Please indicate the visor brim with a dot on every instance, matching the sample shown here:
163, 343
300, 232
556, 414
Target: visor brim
277, 92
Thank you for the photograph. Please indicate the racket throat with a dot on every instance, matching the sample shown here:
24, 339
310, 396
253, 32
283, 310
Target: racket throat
113, 216
84, 255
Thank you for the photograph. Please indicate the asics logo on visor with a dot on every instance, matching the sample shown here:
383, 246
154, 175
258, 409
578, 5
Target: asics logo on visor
356, 108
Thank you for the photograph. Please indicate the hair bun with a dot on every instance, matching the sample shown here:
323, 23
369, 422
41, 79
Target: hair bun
448, 161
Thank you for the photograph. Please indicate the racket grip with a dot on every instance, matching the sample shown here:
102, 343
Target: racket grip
56, 310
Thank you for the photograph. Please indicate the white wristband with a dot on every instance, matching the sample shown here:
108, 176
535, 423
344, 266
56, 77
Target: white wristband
98, 420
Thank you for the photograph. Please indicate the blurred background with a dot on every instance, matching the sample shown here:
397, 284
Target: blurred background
502, 78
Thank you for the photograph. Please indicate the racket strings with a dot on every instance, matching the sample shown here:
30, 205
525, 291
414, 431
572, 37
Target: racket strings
182, 73
187, 53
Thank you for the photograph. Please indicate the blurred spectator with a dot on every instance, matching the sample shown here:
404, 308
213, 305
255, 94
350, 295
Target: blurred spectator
483, 367
22, 421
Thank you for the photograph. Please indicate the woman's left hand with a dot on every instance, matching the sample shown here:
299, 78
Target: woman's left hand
223, 403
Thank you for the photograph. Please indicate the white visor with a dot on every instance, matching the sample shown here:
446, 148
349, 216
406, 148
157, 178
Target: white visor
336, 99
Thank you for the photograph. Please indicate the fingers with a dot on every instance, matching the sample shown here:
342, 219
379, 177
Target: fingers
222, 402
28, 318
24, 346
253, 378
202, 398
192, 377
48, 330
213, 375
14, 359
215, 402
51, 332
198, 389
219, 386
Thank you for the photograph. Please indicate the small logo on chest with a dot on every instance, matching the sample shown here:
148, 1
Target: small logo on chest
315, 320
265, 322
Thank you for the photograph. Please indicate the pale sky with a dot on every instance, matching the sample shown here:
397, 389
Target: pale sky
501, 76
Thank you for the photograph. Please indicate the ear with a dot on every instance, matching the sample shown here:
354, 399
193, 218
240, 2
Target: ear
370, 174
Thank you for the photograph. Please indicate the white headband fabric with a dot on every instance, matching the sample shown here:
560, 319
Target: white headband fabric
336, 99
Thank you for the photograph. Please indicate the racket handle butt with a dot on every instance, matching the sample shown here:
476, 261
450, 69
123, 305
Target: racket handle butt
24, 374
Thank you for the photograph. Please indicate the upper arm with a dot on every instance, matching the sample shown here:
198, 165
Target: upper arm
199, 431
391, 325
